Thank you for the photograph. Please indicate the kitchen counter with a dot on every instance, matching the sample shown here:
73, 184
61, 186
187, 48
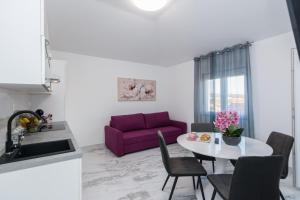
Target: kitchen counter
45, 137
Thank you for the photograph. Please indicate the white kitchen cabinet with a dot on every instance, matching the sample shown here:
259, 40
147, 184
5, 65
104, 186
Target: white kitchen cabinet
56, 181
23, 58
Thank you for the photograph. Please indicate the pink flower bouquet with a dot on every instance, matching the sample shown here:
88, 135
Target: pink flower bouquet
227, 123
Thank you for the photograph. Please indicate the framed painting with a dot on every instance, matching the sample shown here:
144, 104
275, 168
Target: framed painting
130, 89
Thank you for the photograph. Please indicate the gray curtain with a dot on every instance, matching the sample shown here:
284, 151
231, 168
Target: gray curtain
223, 83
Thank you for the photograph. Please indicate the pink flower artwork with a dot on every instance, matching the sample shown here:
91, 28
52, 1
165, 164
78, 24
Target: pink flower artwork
136, 89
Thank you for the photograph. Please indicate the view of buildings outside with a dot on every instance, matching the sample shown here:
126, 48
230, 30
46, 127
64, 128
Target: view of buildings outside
234, 97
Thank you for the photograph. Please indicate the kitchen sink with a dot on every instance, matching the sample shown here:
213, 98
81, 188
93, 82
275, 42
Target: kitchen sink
38, 150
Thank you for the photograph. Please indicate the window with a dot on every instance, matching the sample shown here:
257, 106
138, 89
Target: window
214, 95
236, 94
232, 96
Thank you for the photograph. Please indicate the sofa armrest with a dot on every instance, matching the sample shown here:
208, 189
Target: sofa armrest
114, 140
181, 125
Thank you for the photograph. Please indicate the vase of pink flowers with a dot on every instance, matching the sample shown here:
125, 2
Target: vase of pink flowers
228, 124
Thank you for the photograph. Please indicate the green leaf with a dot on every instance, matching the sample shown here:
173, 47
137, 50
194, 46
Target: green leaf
232, 129
238, 132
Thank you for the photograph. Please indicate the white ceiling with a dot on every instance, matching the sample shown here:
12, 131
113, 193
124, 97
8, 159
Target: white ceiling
185, 29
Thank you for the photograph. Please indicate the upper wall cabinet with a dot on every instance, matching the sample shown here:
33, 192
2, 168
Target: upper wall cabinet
24, 53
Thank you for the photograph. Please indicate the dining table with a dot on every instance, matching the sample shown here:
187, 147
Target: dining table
218, 149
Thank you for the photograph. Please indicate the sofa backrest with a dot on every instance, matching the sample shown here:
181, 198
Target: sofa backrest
155, 120
128, 122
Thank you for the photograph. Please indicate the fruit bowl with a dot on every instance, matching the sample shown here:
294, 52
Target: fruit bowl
31, 124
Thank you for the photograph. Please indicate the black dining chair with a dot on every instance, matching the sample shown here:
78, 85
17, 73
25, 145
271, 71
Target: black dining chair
180, 167
282, 145
254, 178
203, 127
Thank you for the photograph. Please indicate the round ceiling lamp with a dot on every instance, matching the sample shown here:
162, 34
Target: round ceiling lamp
150, 5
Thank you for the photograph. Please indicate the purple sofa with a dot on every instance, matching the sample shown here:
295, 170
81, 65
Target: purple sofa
131, 133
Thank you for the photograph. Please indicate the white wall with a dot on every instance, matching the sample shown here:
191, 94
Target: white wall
271, 74
91, 97
181, 92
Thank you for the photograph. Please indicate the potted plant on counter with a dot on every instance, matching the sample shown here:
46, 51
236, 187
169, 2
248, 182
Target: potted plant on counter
228, 124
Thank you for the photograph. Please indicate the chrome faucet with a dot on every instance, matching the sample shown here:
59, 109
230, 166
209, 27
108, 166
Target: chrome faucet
9, 145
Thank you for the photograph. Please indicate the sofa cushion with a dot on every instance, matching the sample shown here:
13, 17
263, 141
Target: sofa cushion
140, 136
155, 120
168, 130
128, 122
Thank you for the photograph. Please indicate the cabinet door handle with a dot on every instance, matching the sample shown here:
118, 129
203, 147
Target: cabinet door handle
47, 43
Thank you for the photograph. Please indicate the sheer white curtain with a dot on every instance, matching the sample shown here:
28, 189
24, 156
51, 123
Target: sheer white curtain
223, 83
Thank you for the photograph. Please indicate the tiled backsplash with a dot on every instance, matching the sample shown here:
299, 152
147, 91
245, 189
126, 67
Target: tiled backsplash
3, 123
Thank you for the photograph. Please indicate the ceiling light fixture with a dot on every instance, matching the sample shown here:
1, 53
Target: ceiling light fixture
150, 5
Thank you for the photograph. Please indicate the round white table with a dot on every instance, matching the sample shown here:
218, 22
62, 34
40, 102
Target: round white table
223, 152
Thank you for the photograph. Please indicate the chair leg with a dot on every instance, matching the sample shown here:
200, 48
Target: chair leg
281, 195
198, 182
173, 187
214, 194
194, 182
165, 183
213, 166
201, 188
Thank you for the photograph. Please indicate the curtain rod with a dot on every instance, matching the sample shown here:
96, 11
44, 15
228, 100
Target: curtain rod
226, 49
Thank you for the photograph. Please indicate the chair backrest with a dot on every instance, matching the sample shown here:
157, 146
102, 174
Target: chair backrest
282, 145
202, 127
256, 178
164, 151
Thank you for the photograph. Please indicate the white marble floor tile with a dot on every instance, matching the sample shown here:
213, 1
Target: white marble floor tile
140, 176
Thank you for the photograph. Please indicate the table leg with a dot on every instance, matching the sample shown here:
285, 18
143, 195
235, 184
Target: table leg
220, 165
